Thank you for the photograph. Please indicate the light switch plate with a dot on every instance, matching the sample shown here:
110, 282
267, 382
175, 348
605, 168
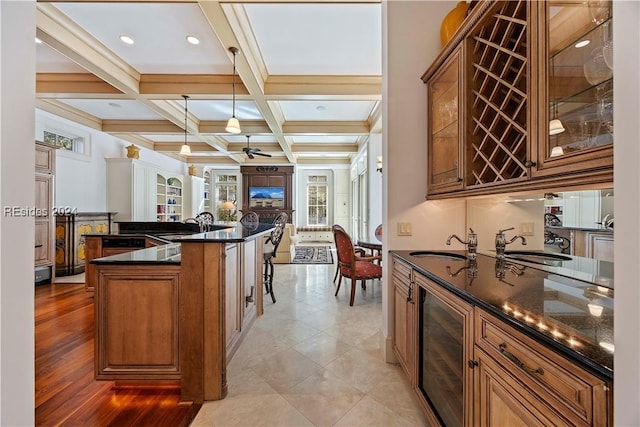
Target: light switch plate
404, 229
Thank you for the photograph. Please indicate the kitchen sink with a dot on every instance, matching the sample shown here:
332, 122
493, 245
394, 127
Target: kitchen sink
546, 258
438, 254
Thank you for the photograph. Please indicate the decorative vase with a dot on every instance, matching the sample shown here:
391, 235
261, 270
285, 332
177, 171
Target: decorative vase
192, 170
452, 21
133, 152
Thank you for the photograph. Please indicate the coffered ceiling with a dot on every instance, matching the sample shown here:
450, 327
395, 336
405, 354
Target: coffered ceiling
308, 83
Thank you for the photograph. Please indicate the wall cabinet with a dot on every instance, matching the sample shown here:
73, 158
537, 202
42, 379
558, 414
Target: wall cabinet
519, 70
45, 167
138, 191
578, 86
445, 128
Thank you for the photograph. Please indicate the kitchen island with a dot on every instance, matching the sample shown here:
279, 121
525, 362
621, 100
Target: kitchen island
175, 313
487, 341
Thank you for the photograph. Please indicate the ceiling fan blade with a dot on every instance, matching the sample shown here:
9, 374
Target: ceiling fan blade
262, 154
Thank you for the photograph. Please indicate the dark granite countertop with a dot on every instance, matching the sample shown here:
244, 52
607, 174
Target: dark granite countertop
168, 254
225, 235
590, 229
552, 308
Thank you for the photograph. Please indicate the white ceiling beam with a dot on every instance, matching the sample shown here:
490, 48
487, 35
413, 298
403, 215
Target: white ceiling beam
239, 37
326, 128
325, 148
164, 147
63, 110
368, 88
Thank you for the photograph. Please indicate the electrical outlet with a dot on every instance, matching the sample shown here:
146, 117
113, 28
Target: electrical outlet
526, 228
404, 229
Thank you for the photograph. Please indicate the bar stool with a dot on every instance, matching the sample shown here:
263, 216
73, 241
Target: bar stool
269, 252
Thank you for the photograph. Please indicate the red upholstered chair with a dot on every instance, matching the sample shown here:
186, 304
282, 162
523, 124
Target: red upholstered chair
352, 266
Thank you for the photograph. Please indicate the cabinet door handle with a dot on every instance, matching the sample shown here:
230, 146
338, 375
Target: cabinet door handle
248, 298
410, 293
39, 246
472, 363
529, 163
521, 365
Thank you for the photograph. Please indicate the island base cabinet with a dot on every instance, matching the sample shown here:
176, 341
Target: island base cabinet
137, 313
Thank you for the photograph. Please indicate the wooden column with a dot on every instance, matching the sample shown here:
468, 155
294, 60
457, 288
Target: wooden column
202, 322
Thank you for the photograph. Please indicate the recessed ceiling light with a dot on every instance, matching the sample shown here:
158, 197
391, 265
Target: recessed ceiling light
193, 40
126, 39
114, 105
321, 108
582, 43
38, 40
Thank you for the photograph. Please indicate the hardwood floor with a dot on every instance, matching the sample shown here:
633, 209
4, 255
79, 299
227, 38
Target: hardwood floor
66, 393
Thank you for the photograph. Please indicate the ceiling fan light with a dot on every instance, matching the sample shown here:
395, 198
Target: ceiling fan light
185, 150
233, 125
555, 127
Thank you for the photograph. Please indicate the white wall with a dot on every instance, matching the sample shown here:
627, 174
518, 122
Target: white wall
339, 183
81, 180
17, 188
626, 88
411, 41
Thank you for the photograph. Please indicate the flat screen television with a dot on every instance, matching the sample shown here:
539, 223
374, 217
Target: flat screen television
266, 197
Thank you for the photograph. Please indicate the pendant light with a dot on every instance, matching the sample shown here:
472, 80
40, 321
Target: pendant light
185, 150
233, 125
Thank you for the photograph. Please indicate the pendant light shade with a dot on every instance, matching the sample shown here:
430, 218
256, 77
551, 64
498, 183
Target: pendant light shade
185, 150
233, 125
555, 127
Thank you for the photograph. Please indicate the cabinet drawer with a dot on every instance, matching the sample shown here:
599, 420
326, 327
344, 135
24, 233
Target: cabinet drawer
567, 387
401, 272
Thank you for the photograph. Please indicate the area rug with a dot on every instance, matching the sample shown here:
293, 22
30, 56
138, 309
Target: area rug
313, 255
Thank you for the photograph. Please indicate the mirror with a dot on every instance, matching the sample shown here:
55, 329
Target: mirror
578, 223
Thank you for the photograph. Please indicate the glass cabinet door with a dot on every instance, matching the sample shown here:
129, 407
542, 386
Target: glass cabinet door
579, 56
444, 127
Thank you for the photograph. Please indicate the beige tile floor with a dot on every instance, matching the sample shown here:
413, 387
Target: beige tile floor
313, 360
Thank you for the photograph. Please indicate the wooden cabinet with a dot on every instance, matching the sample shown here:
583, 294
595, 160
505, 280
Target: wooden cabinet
577, 87
469, 368
45, 163
565, 393
445, 129
137, 323
519, 71
500, 400
280, 177
233, 292
70, 238
404, 337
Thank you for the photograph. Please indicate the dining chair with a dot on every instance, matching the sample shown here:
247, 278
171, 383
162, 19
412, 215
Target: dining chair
359, 252
351, 266
269, 252
250, 219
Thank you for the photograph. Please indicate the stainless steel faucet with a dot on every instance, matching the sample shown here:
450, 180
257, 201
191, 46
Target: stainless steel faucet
472, 243
501, 241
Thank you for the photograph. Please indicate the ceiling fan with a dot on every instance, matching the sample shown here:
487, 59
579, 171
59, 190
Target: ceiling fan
253, 151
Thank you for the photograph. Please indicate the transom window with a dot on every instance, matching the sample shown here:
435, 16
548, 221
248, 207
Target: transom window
317, 200
66, 142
